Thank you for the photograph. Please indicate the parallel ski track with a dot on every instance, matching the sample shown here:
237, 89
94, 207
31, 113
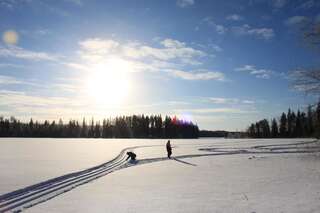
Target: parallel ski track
26, 197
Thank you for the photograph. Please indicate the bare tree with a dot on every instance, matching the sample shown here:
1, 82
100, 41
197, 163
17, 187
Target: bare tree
312, 34
308, 80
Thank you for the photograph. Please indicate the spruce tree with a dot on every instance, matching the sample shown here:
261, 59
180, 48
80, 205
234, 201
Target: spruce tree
283, 125
274, 128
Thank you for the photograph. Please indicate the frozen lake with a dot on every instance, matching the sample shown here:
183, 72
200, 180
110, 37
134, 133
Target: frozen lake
207, 175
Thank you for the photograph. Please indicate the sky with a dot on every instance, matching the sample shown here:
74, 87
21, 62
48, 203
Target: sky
220, 64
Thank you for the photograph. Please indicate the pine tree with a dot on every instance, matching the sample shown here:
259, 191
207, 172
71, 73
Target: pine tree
310, 123
289, 123
283, 125
298, 125
317, 126
265, 128
251, 131
274, 129
84, 129
97, 133
91, 129
304, 125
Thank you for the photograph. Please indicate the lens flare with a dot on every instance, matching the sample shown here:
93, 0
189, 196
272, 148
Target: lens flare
186, 117
10, 37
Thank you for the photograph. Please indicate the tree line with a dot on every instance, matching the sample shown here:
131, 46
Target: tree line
209, 133
135, 126
289, 125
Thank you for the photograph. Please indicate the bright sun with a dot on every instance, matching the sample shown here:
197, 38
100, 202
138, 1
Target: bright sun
108, 82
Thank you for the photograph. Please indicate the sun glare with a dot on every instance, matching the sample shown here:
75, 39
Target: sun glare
108, 82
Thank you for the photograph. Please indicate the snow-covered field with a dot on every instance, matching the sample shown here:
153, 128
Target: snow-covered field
205, 175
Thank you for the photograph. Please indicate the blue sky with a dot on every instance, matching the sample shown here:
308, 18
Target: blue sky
222, 64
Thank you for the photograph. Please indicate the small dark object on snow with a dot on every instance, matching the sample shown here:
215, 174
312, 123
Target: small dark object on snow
131, 155
169, 149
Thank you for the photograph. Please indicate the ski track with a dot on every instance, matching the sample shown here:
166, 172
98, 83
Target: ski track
27, 197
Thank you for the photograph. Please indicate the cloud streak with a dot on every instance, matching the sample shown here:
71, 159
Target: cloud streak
295, 20
278, 4
247, 30
185, 3
220, 29
242, 30
258, 73
7, 80
198, 75
21, 53
216, 100
216, 110
234, 17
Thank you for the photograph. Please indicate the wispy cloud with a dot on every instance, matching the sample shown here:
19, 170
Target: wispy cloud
96, 49
263, 33
172, 50
258, 73
42, 107
6, 80
234, 17
76, 2
228, 101
295, 20
216, 47
274, 4
15, 98
185, 3
18, 52
56, 86
98, 45
223, 100
248, 102
220, 29
7, 4
35, 33
52, 8
277, 4
216, 110
2, 65
11, 4
198, 75
49, 6
170, 43
308, 4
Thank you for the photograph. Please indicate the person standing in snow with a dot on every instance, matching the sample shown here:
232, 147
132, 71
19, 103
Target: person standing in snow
169, 149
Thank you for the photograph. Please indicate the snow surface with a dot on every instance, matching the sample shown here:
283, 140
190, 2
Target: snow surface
207, 175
